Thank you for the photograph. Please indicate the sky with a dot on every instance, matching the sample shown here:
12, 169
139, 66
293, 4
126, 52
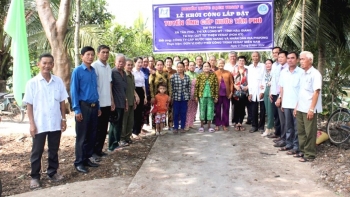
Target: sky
127, 11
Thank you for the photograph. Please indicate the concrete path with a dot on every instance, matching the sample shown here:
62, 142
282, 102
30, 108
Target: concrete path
206, 164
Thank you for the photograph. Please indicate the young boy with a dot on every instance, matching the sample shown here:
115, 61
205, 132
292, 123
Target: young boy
161, 103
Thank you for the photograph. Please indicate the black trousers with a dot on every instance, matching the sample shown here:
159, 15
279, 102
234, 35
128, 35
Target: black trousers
85, 134
255, 113
53, 143
239, 112
139, 112
102, 126
249, 111
277, 122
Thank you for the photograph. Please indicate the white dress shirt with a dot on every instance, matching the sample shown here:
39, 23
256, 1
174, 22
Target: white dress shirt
139, 78
275, 72
310, 81
290, 82
256, 76
229, 67
45, 98
104, 78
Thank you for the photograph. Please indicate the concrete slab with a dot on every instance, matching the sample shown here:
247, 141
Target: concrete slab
222, 164
110, 187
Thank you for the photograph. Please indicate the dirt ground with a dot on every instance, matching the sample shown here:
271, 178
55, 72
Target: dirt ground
332, 166
15, 165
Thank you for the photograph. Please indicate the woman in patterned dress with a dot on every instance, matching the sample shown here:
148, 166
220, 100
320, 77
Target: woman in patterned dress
192, 104
206, 93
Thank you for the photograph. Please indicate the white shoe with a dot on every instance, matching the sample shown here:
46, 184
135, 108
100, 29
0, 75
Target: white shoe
267, 131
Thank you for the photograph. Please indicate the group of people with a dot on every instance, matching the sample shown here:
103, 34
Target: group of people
170, 91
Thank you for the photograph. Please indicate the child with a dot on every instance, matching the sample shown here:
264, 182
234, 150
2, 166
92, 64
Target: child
207, 93
161, 104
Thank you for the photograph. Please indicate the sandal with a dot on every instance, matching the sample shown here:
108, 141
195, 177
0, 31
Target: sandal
135, 137
238, 127
303, 159
224, 128
34, 184
216, 128
241, 128
201, 129
298, 155
284, 149
211, 130
292, 152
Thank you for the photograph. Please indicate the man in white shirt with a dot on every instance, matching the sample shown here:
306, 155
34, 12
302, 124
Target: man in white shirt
45, 95
275, 84
199, 64
104, 88
290, 85
274, 96
309, 104
256, 73
232, 62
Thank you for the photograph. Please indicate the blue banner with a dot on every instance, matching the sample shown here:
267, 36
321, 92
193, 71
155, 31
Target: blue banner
220, 26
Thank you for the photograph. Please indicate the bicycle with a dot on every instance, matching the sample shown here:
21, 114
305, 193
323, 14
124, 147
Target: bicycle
338, 126
9, 107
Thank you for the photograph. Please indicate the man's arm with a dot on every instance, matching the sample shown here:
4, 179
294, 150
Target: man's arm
32, 127
63, 115
112, 99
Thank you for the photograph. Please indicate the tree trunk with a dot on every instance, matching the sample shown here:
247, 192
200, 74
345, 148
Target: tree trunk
55, 31
76, 33
321, 57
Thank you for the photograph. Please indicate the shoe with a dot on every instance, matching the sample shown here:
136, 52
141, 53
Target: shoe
96, 158
248, 122
280, 144
91, 163
267, 131
56, 177
129, 141
123, 143
253, 129
187, 129
261, 130
276, 140
81, 169
273, 136
102, 154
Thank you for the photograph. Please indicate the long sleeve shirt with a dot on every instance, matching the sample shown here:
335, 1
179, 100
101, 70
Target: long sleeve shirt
256, 76
83, 87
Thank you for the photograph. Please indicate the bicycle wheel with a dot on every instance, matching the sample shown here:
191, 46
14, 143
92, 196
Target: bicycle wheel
17, 115
338, 126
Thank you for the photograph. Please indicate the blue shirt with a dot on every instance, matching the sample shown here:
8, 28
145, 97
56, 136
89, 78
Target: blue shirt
83, 87
146, 73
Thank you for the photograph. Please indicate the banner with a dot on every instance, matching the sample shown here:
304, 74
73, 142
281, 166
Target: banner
220, 26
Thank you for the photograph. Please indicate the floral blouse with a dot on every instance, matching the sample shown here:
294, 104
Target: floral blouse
200, 84
157, 78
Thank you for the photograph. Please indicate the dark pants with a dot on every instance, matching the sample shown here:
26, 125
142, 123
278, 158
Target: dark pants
53, 143
239, 112
291, 130
250, 112
146, 111
255, 113
115, 129
85, 134
275, 115
138, 113
102, 126
283, 123
179, 110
